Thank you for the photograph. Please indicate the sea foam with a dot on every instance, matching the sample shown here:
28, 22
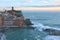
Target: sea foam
50, 37
41, 26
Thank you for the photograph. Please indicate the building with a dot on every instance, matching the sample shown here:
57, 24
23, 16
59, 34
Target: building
14, 18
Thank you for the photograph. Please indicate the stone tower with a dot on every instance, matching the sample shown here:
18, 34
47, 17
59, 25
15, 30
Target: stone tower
12, 8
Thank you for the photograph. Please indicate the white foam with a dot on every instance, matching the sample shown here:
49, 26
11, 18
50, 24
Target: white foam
3, 37
40, 26
51, 38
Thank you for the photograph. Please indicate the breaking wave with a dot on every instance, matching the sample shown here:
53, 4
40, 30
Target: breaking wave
2, 36
40, 27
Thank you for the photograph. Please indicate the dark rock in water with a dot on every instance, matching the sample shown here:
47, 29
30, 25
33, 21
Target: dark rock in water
52, 32
28, 22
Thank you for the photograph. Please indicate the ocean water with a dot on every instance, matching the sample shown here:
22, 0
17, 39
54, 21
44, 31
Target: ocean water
40, 19
50, 18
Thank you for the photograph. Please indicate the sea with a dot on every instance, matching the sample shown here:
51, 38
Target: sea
41, 20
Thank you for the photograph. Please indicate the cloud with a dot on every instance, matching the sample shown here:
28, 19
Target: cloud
28, 2
56, 2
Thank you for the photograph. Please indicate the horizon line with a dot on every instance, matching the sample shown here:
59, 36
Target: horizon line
33, 8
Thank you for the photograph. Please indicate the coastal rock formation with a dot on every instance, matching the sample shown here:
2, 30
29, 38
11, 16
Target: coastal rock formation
52, 32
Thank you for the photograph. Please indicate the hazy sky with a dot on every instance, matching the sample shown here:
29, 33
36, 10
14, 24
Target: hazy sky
18, 3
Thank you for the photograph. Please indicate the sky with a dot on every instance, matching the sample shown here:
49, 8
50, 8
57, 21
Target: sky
23, 3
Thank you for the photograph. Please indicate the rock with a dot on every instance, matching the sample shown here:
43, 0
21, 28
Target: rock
28, 22
52, 31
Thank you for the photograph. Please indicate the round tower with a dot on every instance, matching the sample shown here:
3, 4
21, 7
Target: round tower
12, 8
